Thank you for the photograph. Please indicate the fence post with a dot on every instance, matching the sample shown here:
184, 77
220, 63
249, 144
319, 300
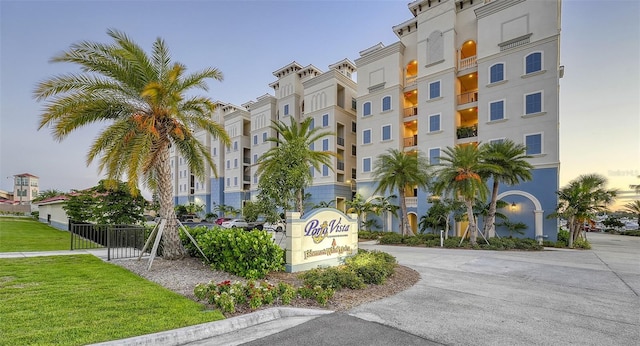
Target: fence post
71, 230
109, 243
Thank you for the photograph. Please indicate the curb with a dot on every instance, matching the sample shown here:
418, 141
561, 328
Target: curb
212, 329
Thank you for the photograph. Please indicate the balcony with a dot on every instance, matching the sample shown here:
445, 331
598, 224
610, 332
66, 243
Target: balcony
412, 202
468, 97
410, 112
246, 178
411, 141
246, 160
467, 131
340, 165
466, 63
340, 141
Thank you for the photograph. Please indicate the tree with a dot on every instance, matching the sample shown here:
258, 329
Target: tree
398, 170
509, 166
634, 208
106, 203
513, 227
285, 168
359, 206
382, 206
46, 194
323, 204
459, 174
147, 102
581, 200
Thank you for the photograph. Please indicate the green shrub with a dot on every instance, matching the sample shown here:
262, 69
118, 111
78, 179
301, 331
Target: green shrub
248, 254
370, 234
452, 242
548, 243
432, 243
635, 233
563, 236
373, 267
195, 233
413, 241
581, 244
527, 244
391, 238
333, 277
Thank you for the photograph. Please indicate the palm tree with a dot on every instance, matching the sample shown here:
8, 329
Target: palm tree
581, 199
383, 206
147, 102
460, 175
511, 159
635, 187
395, 171
634, 208
357, 205
323, 204
284, 169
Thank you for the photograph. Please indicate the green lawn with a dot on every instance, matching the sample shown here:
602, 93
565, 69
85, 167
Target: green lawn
75, 300
26, 234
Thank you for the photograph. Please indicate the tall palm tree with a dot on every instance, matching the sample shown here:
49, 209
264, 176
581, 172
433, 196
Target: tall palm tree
397, 170
459, 174
511, 159
581, 200
147, 102
359, 206
383, 206
284, 169
634, 208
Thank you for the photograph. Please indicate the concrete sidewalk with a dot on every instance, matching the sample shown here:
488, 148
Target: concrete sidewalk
100, 253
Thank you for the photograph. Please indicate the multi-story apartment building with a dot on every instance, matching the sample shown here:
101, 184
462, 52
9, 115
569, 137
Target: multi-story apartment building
467, 72
330, 100
463, 72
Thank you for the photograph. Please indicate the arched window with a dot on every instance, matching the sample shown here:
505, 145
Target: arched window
366, 109
496, 73
533, 62
386, 103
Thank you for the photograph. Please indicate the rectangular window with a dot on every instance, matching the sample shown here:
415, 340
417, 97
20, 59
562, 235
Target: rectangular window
228, 181
366, 136
353, 149
496, 110
353, 173
235, 146
255, 139
366, 164
228, 164
533, 143
312, 146
235, 181
255, 158
434, 123
386, 103
312, 171
286, 110
312, 124
434, 90
354, 127
496, 141
264, 137
215, 151
386, 133
434, 156
325, 120
366, 109
235, 163
533, 103
255, 178
325, 144
325, 171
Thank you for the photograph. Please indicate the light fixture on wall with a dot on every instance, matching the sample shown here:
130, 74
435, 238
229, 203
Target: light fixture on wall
513, 206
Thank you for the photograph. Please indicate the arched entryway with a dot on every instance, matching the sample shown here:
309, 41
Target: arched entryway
537, 212
413, 222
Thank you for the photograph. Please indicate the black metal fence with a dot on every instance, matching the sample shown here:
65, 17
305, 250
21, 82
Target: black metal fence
121, 241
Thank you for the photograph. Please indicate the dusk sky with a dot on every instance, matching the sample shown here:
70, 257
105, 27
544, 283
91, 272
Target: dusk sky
248, 40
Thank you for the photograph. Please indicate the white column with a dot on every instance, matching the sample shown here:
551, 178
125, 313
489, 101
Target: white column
538, 225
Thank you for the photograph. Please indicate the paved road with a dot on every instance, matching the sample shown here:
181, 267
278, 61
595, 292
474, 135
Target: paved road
555, 297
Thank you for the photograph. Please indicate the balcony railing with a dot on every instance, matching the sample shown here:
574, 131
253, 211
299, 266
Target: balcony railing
412, 202
467, 131
468, 97
467, 63
341, 141
246, 178
411, 141
410, 80
341, 165
246, 160
410, 112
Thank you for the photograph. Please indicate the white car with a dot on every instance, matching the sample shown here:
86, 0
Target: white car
275, 227
233, 223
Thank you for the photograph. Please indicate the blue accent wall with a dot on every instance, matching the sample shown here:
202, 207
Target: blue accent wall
217, 191
233, 199
326, 193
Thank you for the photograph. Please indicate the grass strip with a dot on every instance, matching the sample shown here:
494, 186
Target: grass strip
25, 234
76, 300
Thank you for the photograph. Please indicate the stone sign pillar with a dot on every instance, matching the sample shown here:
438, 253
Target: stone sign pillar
323, 238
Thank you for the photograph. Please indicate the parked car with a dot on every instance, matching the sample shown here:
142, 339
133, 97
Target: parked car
278, 226
234, 223
220, 220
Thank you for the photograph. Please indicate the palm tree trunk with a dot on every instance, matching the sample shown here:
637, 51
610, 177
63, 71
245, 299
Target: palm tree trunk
489, 227
300, 202
171, 245
473, 230
404, 221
